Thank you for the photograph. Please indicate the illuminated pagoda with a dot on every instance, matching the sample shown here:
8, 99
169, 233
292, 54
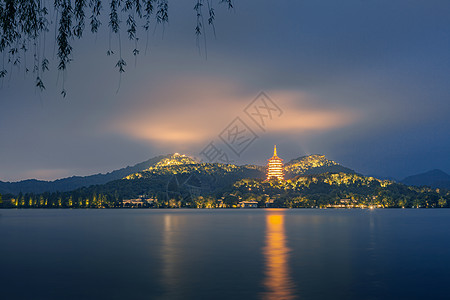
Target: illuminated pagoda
275, 166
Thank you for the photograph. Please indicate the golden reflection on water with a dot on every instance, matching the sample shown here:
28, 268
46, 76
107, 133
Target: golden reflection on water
170, 255
278, 282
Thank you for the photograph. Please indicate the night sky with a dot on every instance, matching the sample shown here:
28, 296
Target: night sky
365, 83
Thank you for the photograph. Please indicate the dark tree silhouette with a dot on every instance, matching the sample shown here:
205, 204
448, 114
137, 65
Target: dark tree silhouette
25, 26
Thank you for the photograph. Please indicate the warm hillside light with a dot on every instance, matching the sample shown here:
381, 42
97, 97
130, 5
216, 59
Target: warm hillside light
275, 166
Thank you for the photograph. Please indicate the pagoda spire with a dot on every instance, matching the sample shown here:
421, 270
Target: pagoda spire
275, 150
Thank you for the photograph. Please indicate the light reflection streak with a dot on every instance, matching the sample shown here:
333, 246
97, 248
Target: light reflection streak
278, 282
170, 257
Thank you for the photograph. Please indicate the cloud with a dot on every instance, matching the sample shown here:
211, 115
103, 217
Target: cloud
179, 111
302, 113
199, 108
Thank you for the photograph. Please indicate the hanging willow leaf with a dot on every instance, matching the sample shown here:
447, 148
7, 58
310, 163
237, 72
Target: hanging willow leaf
131, 27
229, 2
128, 5
13, 51
162, 15
24, 23
114, 16
138, 5
64, 34
198, 8
148, 8
96, 6
40, 84
121, 64
79, 17
44, 65
211, 16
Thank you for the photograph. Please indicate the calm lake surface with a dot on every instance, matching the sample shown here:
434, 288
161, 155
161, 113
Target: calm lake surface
225, 254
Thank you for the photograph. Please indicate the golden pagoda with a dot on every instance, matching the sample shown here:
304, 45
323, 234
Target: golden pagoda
275, 166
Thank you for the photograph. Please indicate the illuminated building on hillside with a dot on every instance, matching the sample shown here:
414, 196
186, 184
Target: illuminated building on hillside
275, 166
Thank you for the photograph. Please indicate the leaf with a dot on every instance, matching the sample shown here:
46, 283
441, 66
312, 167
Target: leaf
131, 27
212, 16
162, 13
229, 2
121, 64
96, 6
40, 84
44, 65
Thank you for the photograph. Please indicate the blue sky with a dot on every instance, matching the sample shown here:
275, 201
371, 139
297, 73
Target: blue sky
364, 82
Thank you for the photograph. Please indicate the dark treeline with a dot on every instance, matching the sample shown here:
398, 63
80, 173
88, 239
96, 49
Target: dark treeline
59, 200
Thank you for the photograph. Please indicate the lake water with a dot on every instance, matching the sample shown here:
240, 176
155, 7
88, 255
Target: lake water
225, 254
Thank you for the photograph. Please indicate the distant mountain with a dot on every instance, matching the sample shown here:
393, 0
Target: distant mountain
74, 182
435, 178
312, 165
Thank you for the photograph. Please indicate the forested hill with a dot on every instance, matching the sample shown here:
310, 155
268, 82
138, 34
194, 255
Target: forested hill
313, 164
74, 182
341, 189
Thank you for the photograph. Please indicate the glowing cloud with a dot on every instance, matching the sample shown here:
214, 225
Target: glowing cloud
198, 109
